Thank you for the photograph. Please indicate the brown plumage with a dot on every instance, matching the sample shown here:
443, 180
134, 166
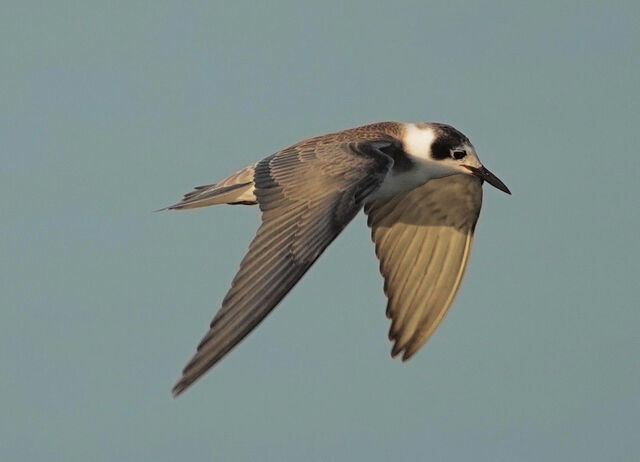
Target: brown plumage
309, 192
423, 239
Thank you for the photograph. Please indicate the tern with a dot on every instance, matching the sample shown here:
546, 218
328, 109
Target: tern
420, 185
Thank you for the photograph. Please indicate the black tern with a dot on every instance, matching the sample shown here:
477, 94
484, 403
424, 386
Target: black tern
420, 185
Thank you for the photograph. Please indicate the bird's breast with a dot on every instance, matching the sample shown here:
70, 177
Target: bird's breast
399, 182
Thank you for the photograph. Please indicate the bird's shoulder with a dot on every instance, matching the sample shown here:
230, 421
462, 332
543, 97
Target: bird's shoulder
373, 144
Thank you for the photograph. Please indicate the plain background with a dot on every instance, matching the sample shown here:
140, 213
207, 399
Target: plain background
109, 110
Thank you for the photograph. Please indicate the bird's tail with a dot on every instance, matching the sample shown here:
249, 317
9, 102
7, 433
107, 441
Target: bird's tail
235, 189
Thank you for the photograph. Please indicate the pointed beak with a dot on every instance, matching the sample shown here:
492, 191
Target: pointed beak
489, 177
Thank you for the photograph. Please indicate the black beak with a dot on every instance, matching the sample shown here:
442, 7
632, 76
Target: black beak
489, 177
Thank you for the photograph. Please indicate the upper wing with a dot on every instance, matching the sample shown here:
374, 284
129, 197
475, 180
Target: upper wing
423, 238
307, 194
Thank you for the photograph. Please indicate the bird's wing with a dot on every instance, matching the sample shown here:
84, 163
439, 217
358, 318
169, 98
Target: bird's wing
307, 194
423, 238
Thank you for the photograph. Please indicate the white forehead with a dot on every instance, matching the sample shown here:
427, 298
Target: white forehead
417, 140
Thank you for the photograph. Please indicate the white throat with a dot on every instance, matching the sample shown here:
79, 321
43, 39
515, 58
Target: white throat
416, 143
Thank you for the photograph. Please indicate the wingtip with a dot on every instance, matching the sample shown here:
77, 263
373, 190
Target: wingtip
183, 383
178, 388
396, 350
407, 355
407, 352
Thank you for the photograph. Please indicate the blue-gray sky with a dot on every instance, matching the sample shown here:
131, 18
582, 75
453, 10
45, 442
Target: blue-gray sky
109, 110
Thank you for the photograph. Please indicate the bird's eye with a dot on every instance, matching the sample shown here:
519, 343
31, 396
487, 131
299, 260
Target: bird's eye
457, 155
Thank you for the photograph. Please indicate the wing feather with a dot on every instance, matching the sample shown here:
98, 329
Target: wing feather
423, 239
307, 194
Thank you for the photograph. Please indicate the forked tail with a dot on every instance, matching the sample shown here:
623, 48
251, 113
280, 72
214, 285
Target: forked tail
235, 189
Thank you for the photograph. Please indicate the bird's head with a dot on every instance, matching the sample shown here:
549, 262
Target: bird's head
445, 151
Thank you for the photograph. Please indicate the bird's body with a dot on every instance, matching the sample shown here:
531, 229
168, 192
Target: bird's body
420, 185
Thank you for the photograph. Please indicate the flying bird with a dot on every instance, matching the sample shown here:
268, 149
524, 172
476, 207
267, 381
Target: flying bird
420, 185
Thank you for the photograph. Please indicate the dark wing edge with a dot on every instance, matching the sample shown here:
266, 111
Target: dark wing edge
307, 195
423, 240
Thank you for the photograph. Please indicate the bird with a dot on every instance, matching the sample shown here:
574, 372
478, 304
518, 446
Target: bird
420, 185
